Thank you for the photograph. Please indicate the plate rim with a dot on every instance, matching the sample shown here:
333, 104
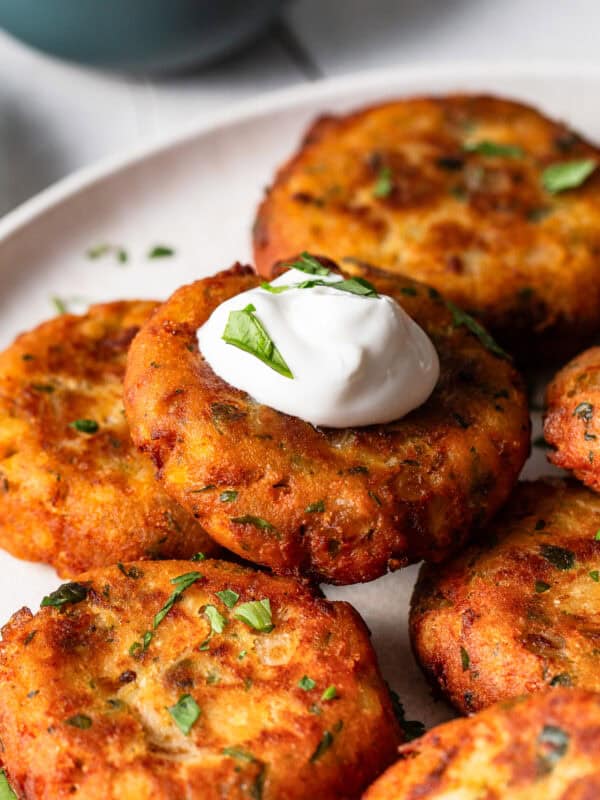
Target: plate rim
269, 102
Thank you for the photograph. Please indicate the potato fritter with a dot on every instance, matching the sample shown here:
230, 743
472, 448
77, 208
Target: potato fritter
340, 505
572, 421
74, 490
518, 610
204, 680
544, 747
451, 191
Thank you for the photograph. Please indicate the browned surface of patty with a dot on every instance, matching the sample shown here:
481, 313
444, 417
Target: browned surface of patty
338, 505
520, 609
545, 747
82, 715
74, 499
572, 419
479, 227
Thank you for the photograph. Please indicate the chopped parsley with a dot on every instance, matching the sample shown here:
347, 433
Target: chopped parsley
597, 536
132, 572
228, 597
185, 712
595, 575
359, 286
228, 496
307, 263
461, 318
67, 593
562, 679
306, 683
85, 425
80, 721
330, 693
198, 557
182, 582
541, 587
161, 251
101, 250
6, 792
567, 174
216, 619
59, 304
258, 522
584, 411
412, 728
245, 331
384, 185
326, 742
257, 614
315, 508
487, 148
553, 743
465, 659
559, 557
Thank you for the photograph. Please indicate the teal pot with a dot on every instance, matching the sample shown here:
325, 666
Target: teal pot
160, 35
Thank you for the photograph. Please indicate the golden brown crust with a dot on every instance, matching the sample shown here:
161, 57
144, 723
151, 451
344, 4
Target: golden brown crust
80, 716
387, 495
480, 228
544, 747
517, 611
73, 499
572, 419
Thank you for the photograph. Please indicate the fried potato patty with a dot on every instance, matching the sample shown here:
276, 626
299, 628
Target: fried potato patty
518, 610
341, 505
572, 419
199, 680
74, 490
544, 747
450, 191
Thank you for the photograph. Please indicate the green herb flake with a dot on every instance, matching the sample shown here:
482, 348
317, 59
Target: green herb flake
185, 712
465, 659
80, 721
358, 286
198, 557
306, 683
562, 679
242, 655
132, 572
216, 619
584, 411
541, 587
553, 743
595, 575
461, 318
85, 425
101, 250
68, 593
597, 536
161, 251
307, 263
182, 582
257, 614
330, 693
228, 496
59, 304
412, 728
494, 149
559, 557
6, 792
237, 752
567, 174
384, 185
245, 331
258, 522
315, 508
228, 597
322, 747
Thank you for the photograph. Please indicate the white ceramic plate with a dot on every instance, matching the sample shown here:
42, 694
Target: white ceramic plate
197, 193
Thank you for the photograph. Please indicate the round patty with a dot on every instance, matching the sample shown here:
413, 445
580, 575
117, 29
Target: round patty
339, 505
572, 420
75, 491
450, 191
199, 680
545, 747
520, 609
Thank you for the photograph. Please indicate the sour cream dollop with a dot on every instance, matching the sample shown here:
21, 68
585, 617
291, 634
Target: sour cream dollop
355, 360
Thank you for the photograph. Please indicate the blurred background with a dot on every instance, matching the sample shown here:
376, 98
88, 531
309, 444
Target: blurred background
115, 73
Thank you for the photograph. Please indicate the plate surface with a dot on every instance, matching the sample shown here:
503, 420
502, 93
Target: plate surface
197, 194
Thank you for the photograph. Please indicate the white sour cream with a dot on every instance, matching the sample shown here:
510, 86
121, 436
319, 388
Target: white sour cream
355, 360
